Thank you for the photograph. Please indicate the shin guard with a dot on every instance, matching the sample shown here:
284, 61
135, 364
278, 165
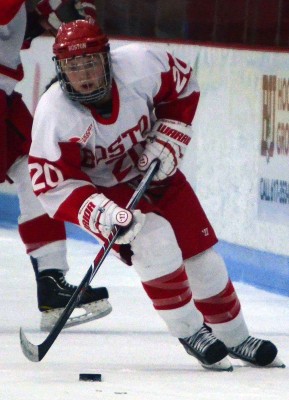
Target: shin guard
223, 307
40, 232
223, 314
169, 291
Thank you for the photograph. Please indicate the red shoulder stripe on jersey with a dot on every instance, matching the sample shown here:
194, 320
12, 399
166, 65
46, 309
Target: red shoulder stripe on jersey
8, 10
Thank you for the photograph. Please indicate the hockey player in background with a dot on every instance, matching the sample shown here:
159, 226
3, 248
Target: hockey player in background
44, 238
94, 132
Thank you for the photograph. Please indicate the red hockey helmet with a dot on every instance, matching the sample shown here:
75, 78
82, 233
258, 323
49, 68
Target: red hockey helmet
82, 61
79, 37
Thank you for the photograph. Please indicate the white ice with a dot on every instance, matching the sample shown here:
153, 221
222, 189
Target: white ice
131, 348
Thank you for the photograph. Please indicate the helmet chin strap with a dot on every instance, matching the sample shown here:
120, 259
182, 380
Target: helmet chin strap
105, 102
104, 109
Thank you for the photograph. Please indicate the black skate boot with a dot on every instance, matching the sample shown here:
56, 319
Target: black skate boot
54, 292
209, 351
258, 352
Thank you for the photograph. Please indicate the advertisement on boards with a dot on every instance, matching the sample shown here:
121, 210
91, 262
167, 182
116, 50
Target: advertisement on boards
273, 202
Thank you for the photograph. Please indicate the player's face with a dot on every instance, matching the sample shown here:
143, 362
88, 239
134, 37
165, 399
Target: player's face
86, 74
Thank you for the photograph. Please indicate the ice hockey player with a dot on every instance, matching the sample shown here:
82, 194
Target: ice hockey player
44, 238
110, 115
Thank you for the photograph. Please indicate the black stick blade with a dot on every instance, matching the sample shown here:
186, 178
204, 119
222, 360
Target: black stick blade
30, 350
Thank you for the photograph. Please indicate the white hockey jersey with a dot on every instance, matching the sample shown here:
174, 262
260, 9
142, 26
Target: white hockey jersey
75, 151
12, 30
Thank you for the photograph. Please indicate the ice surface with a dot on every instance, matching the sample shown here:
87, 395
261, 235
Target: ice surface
131, 348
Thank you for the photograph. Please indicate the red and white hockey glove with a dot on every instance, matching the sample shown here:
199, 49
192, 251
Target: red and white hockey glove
87, 9
48, 11
166, 142
98, 214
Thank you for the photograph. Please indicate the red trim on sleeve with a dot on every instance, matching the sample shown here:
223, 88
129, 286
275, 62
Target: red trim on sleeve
68, 211
174, 82
16, 74
69, 164
182, 110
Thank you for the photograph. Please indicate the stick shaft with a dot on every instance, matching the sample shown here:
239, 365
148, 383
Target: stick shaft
37, 352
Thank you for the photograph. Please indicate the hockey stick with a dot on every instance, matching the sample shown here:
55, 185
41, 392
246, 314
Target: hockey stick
37, 352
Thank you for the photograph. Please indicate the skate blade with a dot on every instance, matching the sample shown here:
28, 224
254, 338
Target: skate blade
90, 312
276, 363
222, 365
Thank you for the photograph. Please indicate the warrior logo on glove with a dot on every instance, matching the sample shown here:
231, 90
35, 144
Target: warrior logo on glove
166, 142
122, 216
98, 214
143, 162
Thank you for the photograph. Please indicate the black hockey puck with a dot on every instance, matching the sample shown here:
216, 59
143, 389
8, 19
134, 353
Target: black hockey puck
90, 377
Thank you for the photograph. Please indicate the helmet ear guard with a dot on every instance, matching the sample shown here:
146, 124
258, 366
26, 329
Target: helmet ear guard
83, 41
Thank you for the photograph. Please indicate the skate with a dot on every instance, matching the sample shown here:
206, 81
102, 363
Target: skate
53, 294
209, 351
257, 352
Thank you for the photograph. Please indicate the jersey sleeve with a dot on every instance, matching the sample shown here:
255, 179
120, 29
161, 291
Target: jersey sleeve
9, 9
55, 165
170, 83
178, 91
167, 83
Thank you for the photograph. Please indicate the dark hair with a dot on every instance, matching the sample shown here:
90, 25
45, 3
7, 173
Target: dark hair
53, 80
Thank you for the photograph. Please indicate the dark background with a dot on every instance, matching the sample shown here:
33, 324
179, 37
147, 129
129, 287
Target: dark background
256, 23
